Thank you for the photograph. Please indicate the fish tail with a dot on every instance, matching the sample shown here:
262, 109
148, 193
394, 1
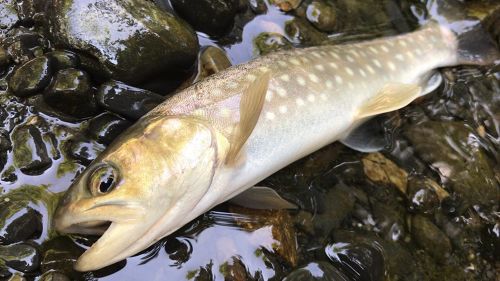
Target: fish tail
474, 44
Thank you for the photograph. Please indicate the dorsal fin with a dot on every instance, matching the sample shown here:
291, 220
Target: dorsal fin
251, 103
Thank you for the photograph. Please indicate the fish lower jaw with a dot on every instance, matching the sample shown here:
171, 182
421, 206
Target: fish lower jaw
88, 227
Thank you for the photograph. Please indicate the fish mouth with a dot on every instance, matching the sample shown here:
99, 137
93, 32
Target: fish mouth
89, 227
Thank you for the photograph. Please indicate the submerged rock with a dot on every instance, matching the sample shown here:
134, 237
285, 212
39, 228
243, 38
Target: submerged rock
31, 154
71, 93
127, 101
106, 127
214, 17
31, 77
63, 59
268, 42
25, 224
8, 15
317, 271
54, 276
133, 39
322, 15
21, 257
430, 238
84, 151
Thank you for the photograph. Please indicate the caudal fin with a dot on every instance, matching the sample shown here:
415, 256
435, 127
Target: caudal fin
475, 45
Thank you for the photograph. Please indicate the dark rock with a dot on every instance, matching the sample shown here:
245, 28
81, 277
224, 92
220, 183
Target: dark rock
316, 271
31, 77
21, 257
330, 216
60, 254
359, 258
24, 225
455, 150
106, 127
430, 238
54, 276
268, 42
63, 59
214, 17
301, 31
4, 57
127, 101
71, 92
23, 44
30, 150
84, 151
422, 197
5, 146
286, 5
258, 6
322, 15
133, 39
4, 272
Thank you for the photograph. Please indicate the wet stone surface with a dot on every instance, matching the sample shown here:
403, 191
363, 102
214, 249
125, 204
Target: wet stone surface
74, 74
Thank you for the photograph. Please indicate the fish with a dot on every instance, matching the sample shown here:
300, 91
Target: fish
215, 140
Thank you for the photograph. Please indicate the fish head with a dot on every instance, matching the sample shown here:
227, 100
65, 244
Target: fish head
141, 188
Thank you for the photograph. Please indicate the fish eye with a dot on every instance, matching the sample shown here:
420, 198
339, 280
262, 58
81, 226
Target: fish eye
103, 180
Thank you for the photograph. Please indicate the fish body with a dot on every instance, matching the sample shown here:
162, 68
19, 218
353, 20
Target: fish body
228, 132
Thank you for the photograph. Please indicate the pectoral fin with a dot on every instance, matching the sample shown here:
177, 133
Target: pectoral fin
259, 197
392, 97
251, 103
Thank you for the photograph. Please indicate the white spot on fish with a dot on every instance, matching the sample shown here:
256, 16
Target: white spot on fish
311, 98
295, 61
251, 77
301, 81
384, 48
356, 54
400, 57
316, 54
391, 66
285, 77
349, 71
300, 102
370, 69
362, 72
233, 85
313, 78
333, 65
373, 50
319, 67
377, 63
410, 55
329, 84
283, 109
282, 63
418, 51
281, 92
305, 60
335, 55
270, 116
349, 58
403, 43
338, 79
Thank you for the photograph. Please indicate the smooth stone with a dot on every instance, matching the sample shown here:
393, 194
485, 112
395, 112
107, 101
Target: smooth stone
430, 238
54, 276
268, 42
5, 147
31, 77
133, 39
30, 151
106, 127
316, 271
84, 151
63, 59
213, 17
4, 57
21, 257
25, 224
71, 93
23, 44
59, 254
322, 15
127, 101
302, 32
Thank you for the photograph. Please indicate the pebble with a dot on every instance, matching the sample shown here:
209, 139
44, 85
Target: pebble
22, 257
31, 77
106, 127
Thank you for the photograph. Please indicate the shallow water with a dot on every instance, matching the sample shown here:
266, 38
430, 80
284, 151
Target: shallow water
425, 208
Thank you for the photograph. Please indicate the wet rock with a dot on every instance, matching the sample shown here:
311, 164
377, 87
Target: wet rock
330, 216
23, 44
322, 15
31, 77
301, 31
59, 254
423, 194
286, 5
258, 6
214, 17
31, 155
63, 59
84, 151
430, 238
127, 101
71, 93
25, 224
456, 152
54, 276
5, 146
210, 61
4, 57
316, 271
21, 257
4, 272
382, 170
106, 127
133, 39
268, 42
